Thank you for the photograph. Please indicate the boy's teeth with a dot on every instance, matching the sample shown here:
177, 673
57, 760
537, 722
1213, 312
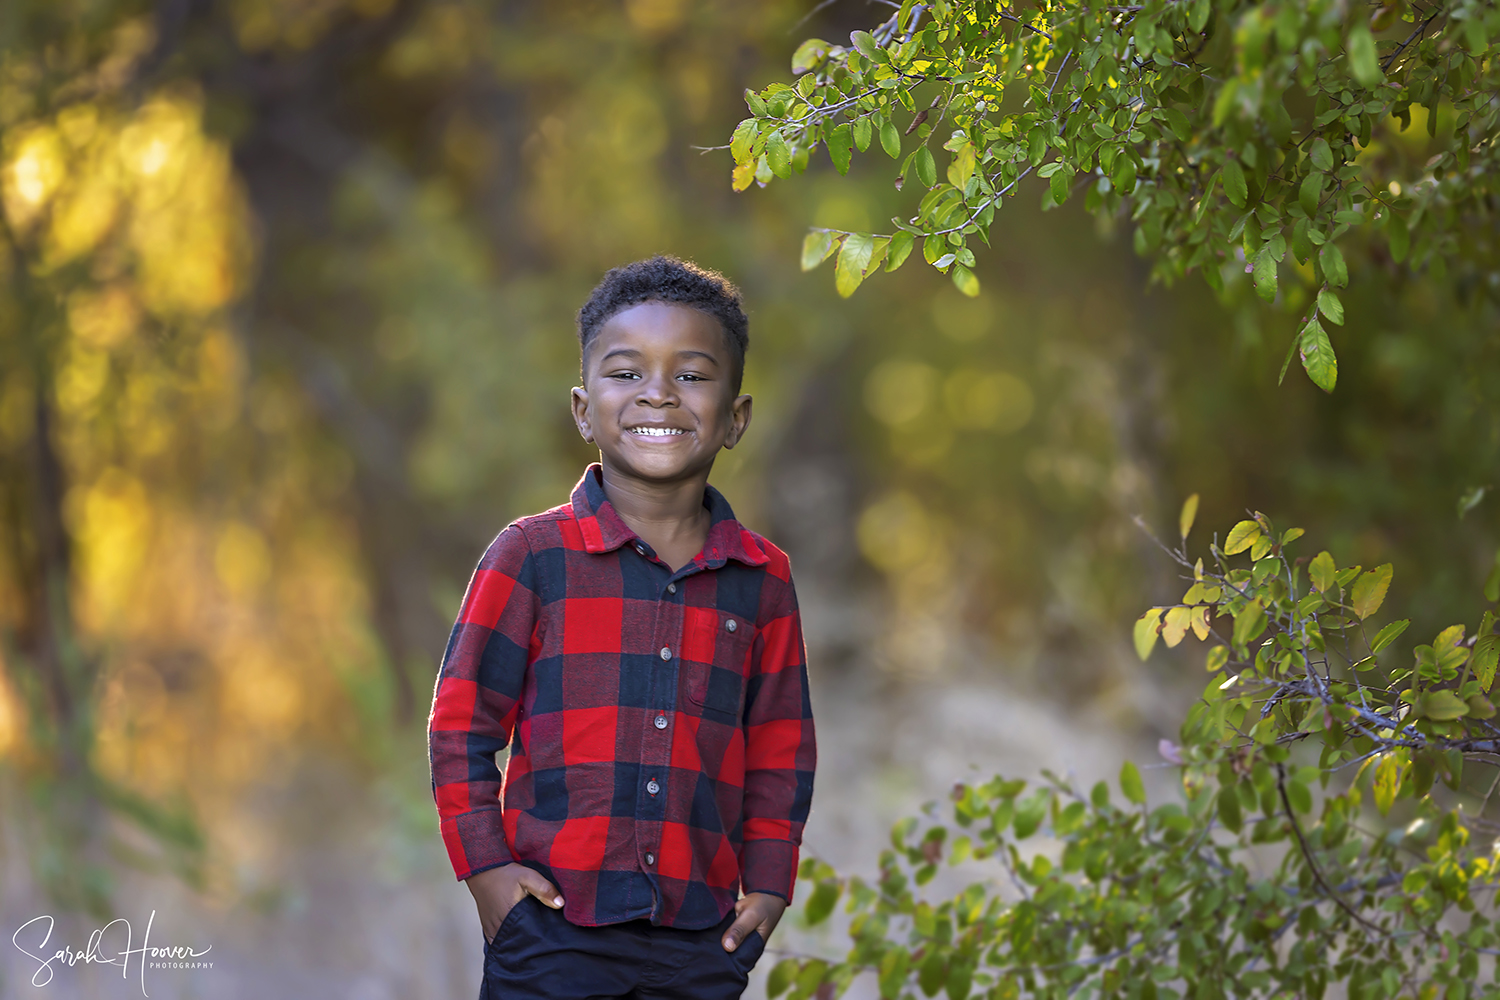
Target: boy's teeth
655, 431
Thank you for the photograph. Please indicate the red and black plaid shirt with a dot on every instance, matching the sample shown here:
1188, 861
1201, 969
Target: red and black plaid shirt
661, 734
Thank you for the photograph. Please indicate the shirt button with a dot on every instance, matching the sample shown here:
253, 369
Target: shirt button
671, 588
666, 653
731, 624
652, 786
640, 550
661, 722
650, 858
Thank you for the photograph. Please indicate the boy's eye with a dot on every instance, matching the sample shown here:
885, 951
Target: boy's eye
624, 375
689, 376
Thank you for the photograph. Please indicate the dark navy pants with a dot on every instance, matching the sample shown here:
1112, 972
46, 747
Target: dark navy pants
537, 955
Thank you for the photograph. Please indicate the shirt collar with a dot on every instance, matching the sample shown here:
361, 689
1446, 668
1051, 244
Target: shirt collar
604, 530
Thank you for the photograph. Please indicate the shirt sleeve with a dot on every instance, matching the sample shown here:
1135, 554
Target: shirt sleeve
780, 750
476, 699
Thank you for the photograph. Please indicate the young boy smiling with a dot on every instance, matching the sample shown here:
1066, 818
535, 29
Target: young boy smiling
641, 653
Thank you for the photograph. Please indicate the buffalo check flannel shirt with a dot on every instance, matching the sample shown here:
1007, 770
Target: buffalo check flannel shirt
661, 735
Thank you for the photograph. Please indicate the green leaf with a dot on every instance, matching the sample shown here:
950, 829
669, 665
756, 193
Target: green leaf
1362, 62
899, 250
783, 973
754, 103
1234, 183
1398, 236
1320, 154
926, 168
1179, 124
1188, 515
1369, 591
1122, 177
1147, 627
778, 155
1323, 572
744, 137
854, 257
1241, 537
1217, 657
816, 248
1298, 795
965, 281
1388, 634
809, 54
1249, 623
893, 969
1441, 706
1486, 656
865, 43
1311, 192
1131, 785
840, 141
1318, 359
1265, 274
1331, 307
1229, 809
890, 140
862, 133
1334, 270
820, 904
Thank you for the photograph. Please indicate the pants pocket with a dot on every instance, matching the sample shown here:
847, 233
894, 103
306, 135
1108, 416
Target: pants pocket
507, 924
749, 952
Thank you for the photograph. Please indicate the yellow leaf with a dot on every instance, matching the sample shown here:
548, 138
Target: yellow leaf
1217, 657
1176, 626
1188, 515
1200, 622
1387, 779
742, 176
1241, 537
1146, 629
1369, 591
1322, 571
1260, 548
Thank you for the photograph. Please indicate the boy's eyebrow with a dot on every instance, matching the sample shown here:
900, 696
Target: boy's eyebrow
621, 352
630, 352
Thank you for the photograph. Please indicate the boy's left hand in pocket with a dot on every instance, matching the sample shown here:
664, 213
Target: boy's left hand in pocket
759, 911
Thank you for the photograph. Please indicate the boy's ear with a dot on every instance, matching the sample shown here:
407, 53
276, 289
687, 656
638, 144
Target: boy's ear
739, 419
581, 413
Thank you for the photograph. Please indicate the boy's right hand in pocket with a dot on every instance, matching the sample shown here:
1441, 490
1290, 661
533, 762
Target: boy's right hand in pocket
496, 891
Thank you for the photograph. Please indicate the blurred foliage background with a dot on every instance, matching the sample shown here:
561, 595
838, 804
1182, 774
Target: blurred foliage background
286, 301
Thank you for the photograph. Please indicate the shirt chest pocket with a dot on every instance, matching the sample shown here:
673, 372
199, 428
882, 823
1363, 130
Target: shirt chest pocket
716, 662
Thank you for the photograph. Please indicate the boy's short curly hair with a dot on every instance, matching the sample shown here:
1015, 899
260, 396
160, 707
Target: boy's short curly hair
664, 278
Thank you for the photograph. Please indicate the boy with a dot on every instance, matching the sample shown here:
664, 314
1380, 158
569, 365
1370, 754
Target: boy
641, 653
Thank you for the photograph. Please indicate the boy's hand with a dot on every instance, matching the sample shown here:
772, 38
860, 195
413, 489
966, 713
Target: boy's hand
759, 911
496, 891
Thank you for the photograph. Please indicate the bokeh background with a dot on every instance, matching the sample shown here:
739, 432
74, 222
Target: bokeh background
286, 336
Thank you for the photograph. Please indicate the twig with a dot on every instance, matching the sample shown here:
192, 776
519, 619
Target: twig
811, 14
1286, 805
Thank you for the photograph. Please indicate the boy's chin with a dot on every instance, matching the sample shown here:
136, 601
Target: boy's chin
666, 469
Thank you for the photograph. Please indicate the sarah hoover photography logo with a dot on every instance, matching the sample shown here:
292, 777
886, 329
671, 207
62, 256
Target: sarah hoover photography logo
112, 944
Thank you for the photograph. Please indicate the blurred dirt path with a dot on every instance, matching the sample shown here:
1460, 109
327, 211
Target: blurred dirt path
355, 899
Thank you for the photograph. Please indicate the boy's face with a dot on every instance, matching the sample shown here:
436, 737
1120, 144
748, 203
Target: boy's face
658, 393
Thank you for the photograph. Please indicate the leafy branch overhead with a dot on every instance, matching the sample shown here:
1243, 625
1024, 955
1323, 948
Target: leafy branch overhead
1310, 717
1237, 136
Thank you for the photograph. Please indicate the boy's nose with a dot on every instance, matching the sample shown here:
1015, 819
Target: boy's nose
657, 392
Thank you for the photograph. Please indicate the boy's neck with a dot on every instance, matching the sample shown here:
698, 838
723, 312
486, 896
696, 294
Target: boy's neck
670, 517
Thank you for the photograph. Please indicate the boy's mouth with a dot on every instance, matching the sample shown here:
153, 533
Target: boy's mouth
656, 431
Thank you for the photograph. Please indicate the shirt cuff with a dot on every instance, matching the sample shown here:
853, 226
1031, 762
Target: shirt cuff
769, 866
475, 842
